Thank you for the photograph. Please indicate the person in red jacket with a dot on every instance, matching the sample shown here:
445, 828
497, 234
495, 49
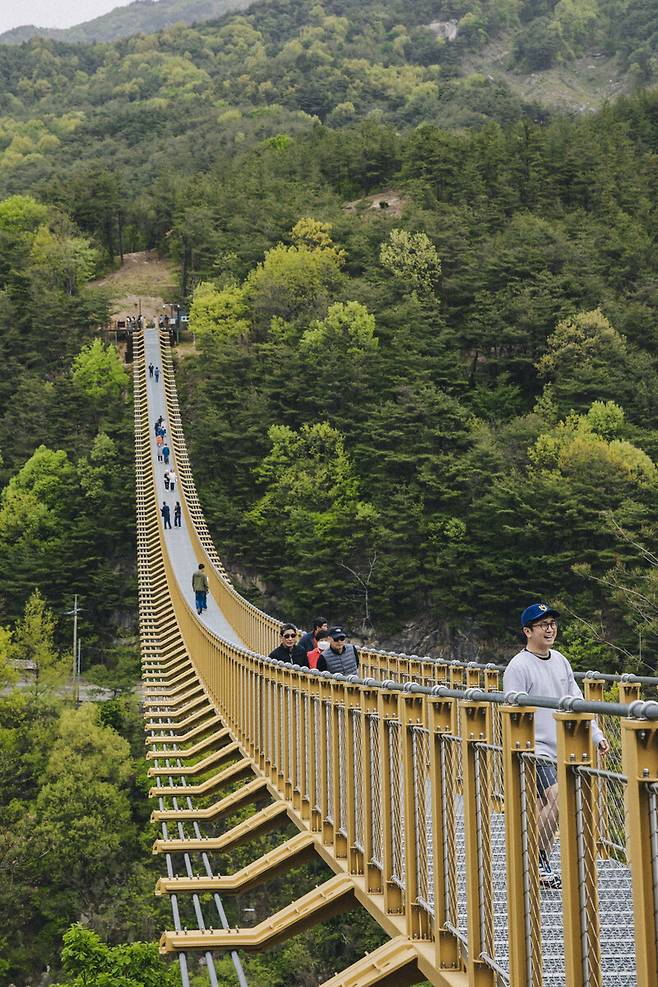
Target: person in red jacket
314, 656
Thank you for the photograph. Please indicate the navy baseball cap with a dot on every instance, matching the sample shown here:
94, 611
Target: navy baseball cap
535, 612
336, 632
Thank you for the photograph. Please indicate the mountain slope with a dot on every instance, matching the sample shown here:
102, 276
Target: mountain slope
140, 17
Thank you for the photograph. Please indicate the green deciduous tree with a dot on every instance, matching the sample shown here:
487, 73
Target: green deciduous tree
320, 537
88, 962
587, 360
412, 258
34, 642
223, 311
99, 374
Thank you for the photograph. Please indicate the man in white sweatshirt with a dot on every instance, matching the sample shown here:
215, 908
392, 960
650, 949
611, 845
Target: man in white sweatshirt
540, 670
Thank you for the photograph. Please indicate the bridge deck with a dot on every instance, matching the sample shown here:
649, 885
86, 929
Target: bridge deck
179, 542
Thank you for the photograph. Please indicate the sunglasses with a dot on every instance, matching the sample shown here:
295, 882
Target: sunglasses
341, 637
289, 635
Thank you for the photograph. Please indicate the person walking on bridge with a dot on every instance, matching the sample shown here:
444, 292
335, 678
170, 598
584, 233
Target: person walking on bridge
540, 670
172, 479
339, 656
166, 479
200, 587
159, 441
157, 374
166, 452
177, 515
166, 514
150, 369
288, 650
310, 639
315, 657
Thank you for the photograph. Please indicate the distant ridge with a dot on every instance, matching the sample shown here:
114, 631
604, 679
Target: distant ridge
140, 17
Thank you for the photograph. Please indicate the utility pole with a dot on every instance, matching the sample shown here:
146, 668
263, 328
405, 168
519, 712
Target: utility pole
77, 679
76, 649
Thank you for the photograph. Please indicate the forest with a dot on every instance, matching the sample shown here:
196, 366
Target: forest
421, 390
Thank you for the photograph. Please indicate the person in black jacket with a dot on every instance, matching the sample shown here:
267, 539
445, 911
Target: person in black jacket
289, 650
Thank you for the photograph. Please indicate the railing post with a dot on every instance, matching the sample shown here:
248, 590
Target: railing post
285, 774
578, 850
338, 796
353, 704
298, 740
475, 729
456, 675
472, 676
412, 715
441, 722
326, 789
629, 692
640, 757
371, 810
315, 746
521, 846
593, 690
491, 679
388, 711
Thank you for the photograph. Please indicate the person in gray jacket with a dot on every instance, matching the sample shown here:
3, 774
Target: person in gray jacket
339, 656
540, 670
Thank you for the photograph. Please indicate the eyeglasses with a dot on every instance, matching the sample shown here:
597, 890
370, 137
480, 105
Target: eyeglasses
547, 625
289, 635
341, 637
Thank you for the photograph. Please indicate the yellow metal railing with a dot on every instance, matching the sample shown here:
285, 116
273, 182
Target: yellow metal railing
421, 798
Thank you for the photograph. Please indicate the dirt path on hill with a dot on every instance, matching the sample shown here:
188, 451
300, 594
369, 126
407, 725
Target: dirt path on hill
144, 281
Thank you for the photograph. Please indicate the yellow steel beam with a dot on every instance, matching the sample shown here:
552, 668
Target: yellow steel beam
152, 718
175, 711
260, 822
182, 738
392, 965
264, 868
190, 751
329, 899
202, 788
232, 801
192, 769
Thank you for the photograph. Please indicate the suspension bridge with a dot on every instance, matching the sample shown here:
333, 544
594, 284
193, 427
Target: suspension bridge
414, 784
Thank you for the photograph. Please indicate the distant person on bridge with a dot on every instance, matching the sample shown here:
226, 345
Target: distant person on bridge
177, 515
150, 369
157, 424
166, 514
157, 374
166, 479
540, 670
314, 657
200, 587
166, 452
159, 441
172, 479
288, 649
339, 656
309, 640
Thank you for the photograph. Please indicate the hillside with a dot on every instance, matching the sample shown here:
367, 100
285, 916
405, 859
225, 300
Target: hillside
557, 54
140, 17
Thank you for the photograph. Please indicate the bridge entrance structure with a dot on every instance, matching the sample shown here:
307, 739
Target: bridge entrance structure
416, 785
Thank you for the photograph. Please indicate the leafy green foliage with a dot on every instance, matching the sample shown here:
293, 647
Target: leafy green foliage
98, 374
88, 962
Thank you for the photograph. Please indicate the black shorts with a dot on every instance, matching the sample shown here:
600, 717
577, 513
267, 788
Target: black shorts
546, 778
